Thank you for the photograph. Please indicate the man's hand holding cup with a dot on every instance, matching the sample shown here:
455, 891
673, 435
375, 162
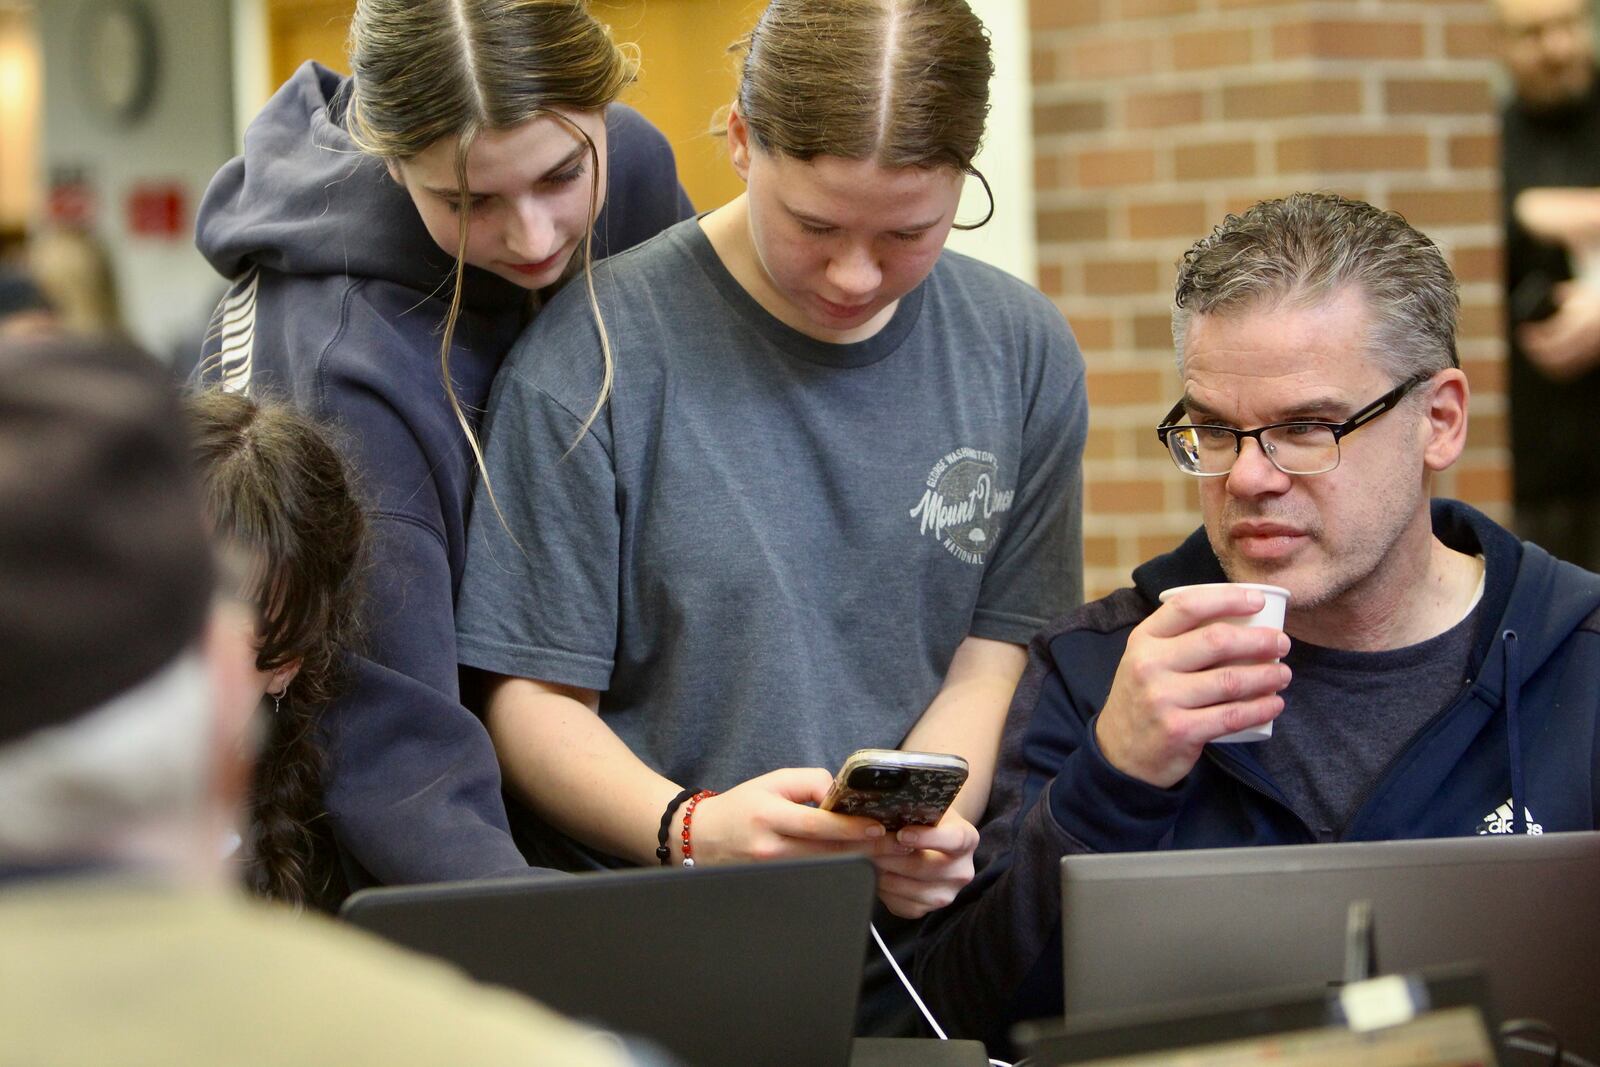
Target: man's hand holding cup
1202, 668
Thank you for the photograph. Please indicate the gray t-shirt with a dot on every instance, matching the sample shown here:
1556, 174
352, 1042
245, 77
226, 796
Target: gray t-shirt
768, 548
1347, 714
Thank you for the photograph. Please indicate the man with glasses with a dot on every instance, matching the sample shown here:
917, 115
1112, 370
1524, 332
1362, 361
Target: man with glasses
1434, 677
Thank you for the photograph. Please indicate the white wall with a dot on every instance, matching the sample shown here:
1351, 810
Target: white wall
167, 288
1008, 241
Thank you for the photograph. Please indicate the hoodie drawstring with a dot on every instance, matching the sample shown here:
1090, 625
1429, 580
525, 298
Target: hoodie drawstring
1513, 683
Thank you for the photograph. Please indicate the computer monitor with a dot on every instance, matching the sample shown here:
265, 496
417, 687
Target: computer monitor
1165, 928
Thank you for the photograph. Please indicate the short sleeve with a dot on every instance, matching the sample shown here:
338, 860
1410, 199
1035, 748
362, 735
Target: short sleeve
1036, 573
539, 595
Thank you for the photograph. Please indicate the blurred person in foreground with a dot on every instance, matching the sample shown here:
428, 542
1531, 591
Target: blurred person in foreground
1434, 677
1550, 162
126, 739
24, 309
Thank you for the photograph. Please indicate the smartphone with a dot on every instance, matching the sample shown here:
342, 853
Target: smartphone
896, 788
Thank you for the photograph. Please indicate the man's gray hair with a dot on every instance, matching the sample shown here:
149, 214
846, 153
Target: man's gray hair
1305, 248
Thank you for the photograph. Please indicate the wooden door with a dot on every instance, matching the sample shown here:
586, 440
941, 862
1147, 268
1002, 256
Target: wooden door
686, 78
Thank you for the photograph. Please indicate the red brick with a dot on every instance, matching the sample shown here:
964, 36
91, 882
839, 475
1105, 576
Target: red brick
1069, 116
1095, 333
1124, 386
1058, 14
1347, 39
1472, 150
1352, 152
1074, 224
1116, 167
1207, 49
1043, 65
1047, 171
1292, 99
1149, 546
1485, 431
1438, 96
1100, 551
1479, 322
1145, 9
1472, 40
1101, 443
1152, 332
1123, 497
1477, 264
1185, 218
1148, 110
1229, 159
1426, 208
1112, 58
1050, 279
1121, 277
1487, 377
1487, 484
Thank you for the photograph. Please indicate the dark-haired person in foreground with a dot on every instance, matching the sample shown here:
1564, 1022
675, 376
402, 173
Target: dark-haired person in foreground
125, 750
1438, 676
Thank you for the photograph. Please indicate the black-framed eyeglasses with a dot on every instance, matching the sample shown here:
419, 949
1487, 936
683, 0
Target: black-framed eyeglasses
1292, 447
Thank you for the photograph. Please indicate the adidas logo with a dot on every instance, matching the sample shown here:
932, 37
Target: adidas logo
1498, 821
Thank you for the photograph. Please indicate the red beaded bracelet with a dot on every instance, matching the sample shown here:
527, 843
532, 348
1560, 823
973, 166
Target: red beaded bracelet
688, 818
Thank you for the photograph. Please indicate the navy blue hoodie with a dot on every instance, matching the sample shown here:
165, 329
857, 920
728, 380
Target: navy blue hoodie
338, 300
1522, 726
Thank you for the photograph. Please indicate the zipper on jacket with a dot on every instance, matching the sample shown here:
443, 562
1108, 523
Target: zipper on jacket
1378, 779
1236, 775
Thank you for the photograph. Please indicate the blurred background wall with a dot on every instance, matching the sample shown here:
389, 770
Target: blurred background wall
137, 115
1153, 118
1122, 130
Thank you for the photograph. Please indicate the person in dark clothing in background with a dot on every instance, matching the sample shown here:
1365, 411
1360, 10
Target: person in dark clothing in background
1434, 677
1551, 139
389, 235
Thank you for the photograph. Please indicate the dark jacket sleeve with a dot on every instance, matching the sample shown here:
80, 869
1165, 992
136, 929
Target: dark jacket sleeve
412, 785
994, 956
414, 788
643, 193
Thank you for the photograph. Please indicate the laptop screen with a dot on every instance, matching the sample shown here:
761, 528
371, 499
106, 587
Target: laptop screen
1165, 928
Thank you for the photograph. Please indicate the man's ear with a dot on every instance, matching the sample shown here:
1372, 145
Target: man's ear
739, 144
1447, 419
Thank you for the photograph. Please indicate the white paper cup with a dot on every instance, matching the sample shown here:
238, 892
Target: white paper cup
1270, 616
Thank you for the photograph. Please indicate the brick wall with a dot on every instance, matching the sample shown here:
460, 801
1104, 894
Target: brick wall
1154, 118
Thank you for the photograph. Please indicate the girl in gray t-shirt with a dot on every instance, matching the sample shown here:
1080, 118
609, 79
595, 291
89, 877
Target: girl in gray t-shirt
829, 495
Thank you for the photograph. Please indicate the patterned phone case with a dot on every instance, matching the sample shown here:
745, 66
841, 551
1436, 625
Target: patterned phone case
920, 801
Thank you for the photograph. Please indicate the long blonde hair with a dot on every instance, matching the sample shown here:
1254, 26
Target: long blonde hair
904, 83
425, 70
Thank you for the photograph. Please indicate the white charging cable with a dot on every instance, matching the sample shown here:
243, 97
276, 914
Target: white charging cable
926, 1014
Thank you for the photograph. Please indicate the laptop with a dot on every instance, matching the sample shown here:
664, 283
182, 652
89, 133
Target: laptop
1441, 1020
1164, 928
719, 966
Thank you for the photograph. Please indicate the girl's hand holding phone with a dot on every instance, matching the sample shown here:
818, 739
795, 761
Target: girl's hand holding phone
922, 868
772, 817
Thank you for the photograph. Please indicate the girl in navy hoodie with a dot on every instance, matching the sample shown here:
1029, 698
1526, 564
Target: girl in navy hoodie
388, 235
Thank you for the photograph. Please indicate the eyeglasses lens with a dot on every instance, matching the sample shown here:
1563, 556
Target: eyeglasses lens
1299, 448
